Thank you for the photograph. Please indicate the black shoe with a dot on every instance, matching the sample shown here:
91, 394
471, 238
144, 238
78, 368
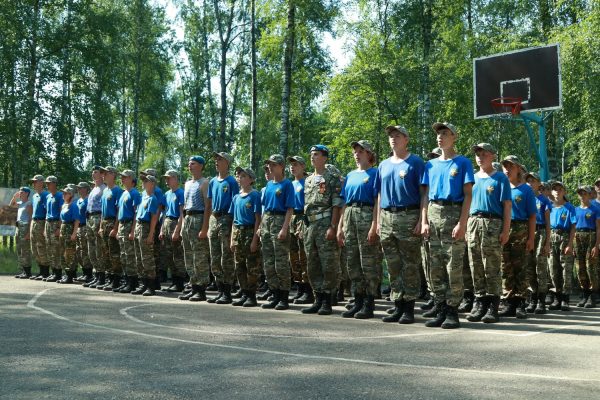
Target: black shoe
177, 285
532, 303
316, 305
510, 308
556, 302
100, 281
451, 321
142, 289
226, 296
541, 304
368, 309
250, 300
440, 316
274, 301
480, 308
198, 293
520, 311
283, 300
188, 295
238, 294
241, 300
56, 275
564, 303
300, 292
307, 296
107, 281
92, 281
591, 301
326, 304
359, 300
428, 305
583, 298
398, 311
150, 285
132, 283
491, 316
265, 295
408, 313
220, 293
550, 297
124, 284
212, 286
466, 304
433, 312
116, 283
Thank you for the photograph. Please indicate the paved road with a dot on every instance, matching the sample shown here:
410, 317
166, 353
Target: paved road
74, 343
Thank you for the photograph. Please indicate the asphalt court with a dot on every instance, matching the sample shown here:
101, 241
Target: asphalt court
71, 342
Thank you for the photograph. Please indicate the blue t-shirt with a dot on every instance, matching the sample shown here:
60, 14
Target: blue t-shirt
523, 202
562, 217
127, 204
542, 204
38, 203
147, 207
82, 208
244, 208
586, 217
360, 186
399, 184
221, 192
278, 196
53, 205
490, 193
69, 213
446, 178
110, 201
174, 200
299, 194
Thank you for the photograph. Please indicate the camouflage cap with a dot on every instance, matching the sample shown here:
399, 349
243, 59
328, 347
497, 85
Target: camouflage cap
512, 160
247, 171
224, 155
149, 178
51, 179
68, 189
149, 171
37, 178
396, 128
435, 153
129, 173
296, 159
83, 185
584, 189
275, 159
533, 175
171, 174
364, 144
484, 146
444, 125
110, 169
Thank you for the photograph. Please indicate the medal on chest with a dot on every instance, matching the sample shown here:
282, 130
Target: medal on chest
518, 198
453, 172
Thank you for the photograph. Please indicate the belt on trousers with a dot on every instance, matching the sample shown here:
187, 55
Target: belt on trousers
274, 212
22, 223
486, 215
585, 230
298, 212
318, 216
172, 218
94, 213
124, 221
560, 231
446, 202
52, 220
244, 227
539, 227
403, 208
139, 221
193, 212
219, 214
519, 221
359, 204
39, 218
109, 219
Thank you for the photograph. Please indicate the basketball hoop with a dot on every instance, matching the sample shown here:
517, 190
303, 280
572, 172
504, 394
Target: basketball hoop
505, 105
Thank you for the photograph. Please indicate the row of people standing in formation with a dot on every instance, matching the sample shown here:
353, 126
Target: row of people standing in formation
492, 243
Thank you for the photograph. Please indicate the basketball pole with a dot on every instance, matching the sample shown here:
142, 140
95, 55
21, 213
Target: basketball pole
540, 150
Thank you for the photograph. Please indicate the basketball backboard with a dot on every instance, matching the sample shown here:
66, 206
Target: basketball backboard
532, 75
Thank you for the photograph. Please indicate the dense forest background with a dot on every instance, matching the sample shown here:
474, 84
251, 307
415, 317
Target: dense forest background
121, 82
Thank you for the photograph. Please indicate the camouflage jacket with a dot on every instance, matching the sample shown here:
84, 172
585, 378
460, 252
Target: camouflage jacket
322, 192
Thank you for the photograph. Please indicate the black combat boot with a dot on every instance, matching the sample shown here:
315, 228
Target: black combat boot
510, 308
176, 286
226, 297
198, 293
300, 292
564, 302
584, 297
92, 281
433, 312
532, 303
142, 289
274, 300
108, 282
124, 283
520, 311
408, 313
591, 301
541, 304
359, 300
491, 315
238, 294
39, 274
398, 311
220, 293
56, 275
115, 284
188, 295
556, 302
283, 300
251, 299
100, 279
307, 297
132, 282
242, 299
268, 293
63, 277
316, 305
451, 321
367, 309
440, 315
480, 308
150, 285
550, 297
428, 305
466, 304
326, 304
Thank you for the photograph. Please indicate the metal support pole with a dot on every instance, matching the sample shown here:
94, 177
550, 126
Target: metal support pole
540, 149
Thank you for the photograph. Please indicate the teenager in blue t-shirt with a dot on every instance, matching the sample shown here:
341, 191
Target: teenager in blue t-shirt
586, 247
488, 230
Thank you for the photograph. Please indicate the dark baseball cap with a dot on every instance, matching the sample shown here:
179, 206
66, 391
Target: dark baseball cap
364, 144
247, 171
275, 159
486, 147
296, 159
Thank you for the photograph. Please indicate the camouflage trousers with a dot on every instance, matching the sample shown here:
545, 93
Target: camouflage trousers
127, 248
53, 244
219, 238
159, 255
561, 264
68, 248
586, 265
446, 253
37, 236
297, 253
322, 256
172, 249
537, 265
426, 262
467, 275
144, 252
343, 273
94, 243
111, 253
485, 255
23, 245
360, 255
82, 247
275, 252
514, 261
247, 263
196, 251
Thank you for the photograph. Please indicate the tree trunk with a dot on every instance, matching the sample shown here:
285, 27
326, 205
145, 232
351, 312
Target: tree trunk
211, 105
425, 101
287, 78
254, 106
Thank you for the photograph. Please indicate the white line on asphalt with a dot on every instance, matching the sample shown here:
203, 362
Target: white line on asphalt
31, 304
